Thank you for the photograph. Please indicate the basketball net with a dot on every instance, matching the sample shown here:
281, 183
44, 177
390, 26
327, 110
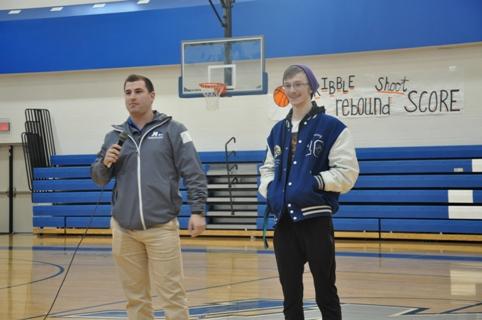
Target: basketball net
211, 92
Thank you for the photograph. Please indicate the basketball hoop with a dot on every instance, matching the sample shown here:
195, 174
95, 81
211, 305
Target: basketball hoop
211, 92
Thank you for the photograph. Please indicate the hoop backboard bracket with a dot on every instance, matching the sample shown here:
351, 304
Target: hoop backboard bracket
236, 62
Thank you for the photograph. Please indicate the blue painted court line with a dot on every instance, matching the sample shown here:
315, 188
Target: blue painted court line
270, 309
59, 268
411, 256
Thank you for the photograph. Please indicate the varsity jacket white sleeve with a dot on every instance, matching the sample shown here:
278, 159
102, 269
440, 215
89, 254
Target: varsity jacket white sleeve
267, 173
344, 169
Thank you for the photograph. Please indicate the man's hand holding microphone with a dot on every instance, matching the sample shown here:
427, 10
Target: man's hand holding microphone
113, 153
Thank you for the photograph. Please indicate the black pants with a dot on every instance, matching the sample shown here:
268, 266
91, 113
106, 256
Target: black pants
296, 243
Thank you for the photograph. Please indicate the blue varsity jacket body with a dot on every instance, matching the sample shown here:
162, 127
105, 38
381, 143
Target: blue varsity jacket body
297, 188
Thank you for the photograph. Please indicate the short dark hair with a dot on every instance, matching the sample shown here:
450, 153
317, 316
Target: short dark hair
137, 77
291, 71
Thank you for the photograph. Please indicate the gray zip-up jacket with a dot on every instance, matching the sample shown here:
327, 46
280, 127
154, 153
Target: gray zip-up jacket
151, 163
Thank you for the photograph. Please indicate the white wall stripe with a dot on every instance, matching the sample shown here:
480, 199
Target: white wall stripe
476, 165
472, 212
461, 196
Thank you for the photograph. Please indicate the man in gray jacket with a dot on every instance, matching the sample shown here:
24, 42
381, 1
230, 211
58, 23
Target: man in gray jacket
147, 166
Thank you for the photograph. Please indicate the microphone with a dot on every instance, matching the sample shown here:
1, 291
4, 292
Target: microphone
122, 138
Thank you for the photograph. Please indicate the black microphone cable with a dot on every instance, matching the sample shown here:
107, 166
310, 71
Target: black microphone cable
74, 254
122, 138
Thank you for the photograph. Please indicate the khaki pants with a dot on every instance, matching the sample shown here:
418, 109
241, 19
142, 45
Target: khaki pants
154, 254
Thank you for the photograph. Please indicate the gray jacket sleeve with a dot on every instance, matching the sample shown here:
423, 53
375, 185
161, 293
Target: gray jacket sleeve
98, 171
189, 166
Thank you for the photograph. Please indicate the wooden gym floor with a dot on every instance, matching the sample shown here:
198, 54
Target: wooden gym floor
236, 278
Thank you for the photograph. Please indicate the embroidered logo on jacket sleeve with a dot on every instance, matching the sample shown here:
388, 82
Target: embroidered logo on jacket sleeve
186, 137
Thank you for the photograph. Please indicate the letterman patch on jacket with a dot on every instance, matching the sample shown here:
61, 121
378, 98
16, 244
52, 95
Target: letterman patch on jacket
316, 145
186, 137
276, 151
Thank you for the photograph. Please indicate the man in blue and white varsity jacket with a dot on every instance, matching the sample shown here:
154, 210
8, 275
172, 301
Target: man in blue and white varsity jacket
310, 160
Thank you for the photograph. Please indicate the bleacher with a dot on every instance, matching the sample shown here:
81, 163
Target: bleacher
432, 193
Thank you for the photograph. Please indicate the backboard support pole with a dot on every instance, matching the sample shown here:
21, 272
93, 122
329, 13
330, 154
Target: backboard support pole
227, 24
228, 33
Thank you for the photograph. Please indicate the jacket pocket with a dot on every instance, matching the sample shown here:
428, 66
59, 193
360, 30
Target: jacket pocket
306, 193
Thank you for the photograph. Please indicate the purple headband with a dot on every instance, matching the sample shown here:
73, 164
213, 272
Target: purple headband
314, 85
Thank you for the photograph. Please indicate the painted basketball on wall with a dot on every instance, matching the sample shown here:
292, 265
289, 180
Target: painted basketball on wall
280, 97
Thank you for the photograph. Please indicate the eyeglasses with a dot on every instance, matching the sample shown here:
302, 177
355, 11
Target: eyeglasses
295, 86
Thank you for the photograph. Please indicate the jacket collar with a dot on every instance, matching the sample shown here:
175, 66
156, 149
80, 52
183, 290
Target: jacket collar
158, 118
315, 110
